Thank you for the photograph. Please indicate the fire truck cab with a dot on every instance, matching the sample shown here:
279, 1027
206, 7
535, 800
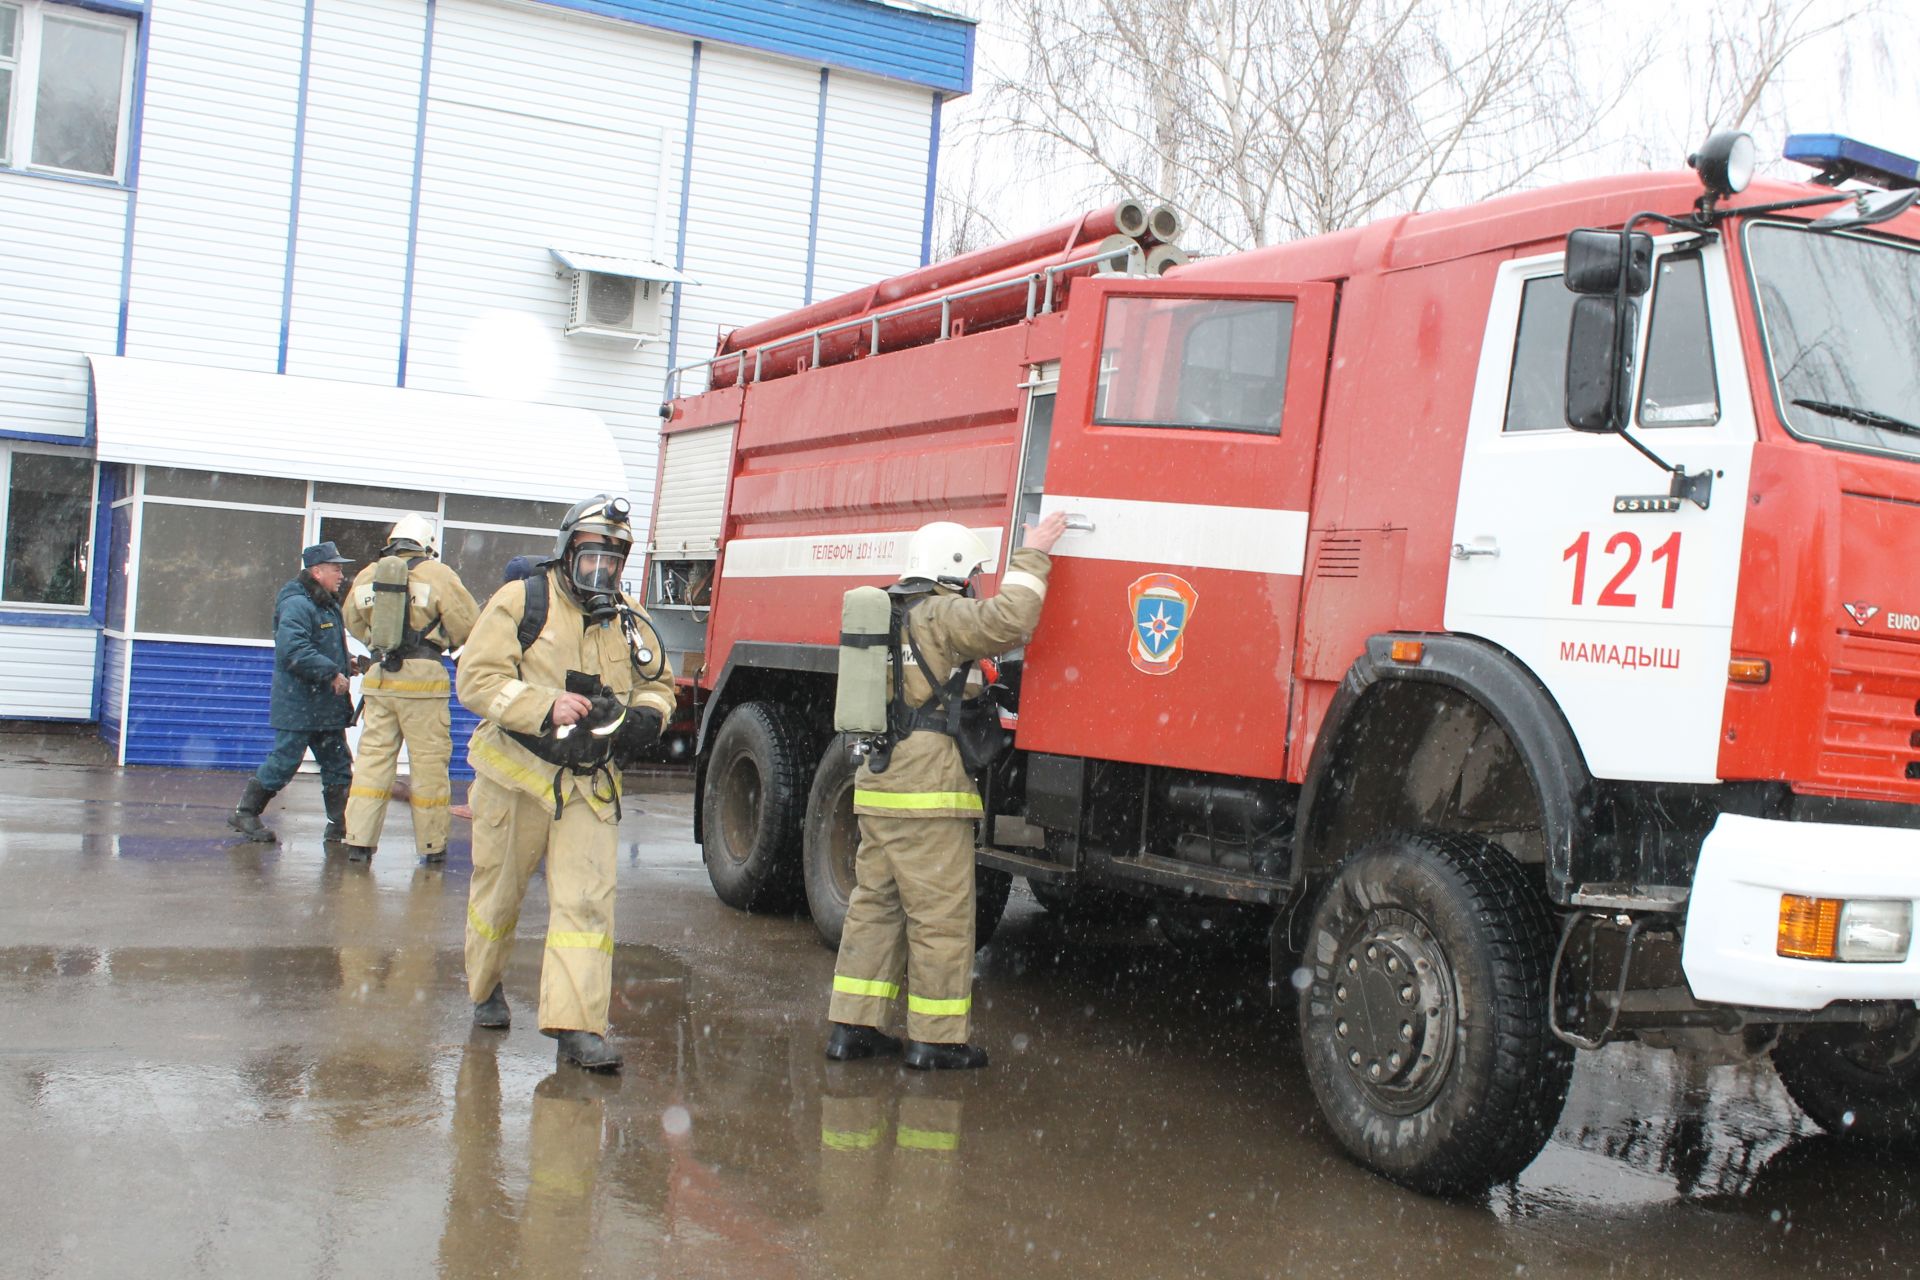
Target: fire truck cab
1506, 612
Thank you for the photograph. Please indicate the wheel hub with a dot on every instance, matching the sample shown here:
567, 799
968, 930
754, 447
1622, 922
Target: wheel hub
740, 808
1393, 1010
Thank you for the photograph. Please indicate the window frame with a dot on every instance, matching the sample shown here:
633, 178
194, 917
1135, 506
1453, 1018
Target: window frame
17, 148
1555, 269
10, 449
1107, 363
1776, 394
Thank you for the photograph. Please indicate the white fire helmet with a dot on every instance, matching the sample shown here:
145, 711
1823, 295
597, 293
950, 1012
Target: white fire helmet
415, 530
944, 552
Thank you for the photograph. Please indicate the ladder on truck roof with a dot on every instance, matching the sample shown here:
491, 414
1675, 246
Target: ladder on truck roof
1041, 286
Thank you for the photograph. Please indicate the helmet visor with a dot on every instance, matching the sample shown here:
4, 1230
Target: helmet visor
597, 566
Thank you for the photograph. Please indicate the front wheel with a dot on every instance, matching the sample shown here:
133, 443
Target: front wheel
751, 807
1855, 1081
1424, 1027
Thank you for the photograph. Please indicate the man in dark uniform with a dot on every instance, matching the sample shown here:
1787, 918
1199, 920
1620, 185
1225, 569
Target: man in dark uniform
310, 707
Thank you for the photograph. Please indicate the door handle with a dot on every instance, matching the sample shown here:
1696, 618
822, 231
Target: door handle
1461, 551
1077, 523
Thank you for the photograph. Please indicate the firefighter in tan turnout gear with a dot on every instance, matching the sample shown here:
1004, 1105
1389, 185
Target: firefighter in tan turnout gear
911, 914
408, 609
569, 680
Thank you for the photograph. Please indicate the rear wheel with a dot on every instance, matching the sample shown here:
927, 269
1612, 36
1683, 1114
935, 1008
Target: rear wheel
1857, 1082
832, 837
752, 805
1424, 1027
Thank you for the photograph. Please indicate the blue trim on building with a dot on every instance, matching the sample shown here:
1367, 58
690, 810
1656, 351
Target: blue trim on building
413, 208
74, 179
857, 35
136, 120
686, 194
933, 173
813, 213
35, 618
293, 199
46, 437
121, 8
113, 659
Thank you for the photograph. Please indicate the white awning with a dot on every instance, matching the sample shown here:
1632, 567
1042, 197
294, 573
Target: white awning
613, 265
164, 414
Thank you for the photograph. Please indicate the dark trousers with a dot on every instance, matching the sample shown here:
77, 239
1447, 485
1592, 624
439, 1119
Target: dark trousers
289, 745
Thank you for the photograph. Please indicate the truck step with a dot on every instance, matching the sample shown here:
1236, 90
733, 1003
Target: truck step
1210, 881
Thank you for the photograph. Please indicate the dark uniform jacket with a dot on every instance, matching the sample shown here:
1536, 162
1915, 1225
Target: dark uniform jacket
926, 778
309, 650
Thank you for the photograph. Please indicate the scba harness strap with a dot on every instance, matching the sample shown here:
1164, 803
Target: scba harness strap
972, 723
583, 752
411, 643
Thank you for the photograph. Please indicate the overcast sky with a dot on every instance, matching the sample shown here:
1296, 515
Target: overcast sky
1865, 85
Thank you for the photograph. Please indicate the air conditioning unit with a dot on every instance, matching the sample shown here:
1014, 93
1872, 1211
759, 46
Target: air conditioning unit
615, 306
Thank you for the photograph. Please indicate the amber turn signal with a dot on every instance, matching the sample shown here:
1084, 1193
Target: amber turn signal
1809, 927
1406, 650
1749, 670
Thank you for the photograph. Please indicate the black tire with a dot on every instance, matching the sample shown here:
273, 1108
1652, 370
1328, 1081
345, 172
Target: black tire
991, 888
1413, 928
751, 807
1854, 1082
832, 836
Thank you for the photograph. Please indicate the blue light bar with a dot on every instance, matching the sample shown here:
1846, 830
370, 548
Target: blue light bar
1842, 159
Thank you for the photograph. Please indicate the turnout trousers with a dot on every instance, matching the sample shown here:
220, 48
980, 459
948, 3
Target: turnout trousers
512, 832
909, 920
424, 724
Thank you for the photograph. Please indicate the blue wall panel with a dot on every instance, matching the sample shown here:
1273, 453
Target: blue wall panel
112, 684
204, 706
899, 44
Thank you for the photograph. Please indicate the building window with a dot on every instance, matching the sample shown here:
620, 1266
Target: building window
49, 527
214, 571
66, 88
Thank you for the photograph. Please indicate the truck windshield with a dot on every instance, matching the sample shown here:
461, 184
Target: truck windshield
1841, 315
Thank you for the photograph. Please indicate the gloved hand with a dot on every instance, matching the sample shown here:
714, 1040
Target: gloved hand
641, 729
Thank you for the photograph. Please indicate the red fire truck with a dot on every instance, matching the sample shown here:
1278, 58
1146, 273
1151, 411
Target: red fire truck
1511, 609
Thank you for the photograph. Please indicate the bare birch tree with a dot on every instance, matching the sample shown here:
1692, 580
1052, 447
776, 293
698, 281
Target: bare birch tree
1270, 119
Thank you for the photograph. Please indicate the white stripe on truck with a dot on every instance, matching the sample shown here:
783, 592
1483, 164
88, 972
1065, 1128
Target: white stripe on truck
1182, 534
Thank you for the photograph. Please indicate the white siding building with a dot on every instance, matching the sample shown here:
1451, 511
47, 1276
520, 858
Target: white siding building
284, 270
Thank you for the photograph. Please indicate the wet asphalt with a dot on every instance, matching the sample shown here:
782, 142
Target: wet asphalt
220, 1059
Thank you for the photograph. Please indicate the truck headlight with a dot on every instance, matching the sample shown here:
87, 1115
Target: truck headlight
1861, 930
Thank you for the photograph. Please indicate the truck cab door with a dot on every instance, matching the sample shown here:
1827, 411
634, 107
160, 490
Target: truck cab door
1566, 550
1184, 439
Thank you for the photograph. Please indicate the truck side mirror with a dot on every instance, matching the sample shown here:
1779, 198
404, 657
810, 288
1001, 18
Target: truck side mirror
1599, 365
1595, 260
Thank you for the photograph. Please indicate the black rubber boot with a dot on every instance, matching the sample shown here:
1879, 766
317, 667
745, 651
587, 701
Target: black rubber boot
849, 1041
585, 1049
245, 817
922, 1056
336, 801
493, 1012
359, 853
